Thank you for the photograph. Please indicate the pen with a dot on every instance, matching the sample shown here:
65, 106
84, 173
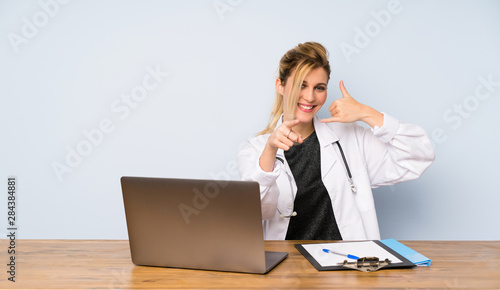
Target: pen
345, 255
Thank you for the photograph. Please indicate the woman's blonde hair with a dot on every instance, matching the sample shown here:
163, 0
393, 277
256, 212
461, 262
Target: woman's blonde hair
296, 62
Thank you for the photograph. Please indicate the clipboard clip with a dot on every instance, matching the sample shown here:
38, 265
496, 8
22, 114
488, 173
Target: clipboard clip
366, 264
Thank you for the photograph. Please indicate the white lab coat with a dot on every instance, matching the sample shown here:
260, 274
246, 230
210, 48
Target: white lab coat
387, 155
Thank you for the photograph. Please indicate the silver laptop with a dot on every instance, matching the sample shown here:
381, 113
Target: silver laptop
196, 224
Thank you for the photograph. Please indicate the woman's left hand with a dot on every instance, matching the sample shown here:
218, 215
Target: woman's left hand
348, 110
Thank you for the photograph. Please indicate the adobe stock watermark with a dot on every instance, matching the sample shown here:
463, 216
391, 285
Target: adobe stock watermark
121, 107
464, 109
119, 279
365, 35
32, 26
201, 197
12, 227
223, 7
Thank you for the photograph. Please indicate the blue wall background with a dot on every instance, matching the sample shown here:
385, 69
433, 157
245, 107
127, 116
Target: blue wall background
94, 90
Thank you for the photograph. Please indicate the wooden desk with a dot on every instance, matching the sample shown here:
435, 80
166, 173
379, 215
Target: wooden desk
106, 264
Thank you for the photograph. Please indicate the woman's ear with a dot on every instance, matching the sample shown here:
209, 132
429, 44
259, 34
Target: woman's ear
279, 86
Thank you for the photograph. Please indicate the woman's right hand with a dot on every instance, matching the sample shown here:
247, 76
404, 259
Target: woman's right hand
282, 137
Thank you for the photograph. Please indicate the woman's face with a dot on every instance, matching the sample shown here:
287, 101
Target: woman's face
311, 97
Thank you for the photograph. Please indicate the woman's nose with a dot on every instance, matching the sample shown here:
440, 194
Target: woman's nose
308, 95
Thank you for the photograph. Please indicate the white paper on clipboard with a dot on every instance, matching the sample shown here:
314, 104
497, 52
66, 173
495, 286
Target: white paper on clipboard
360, 249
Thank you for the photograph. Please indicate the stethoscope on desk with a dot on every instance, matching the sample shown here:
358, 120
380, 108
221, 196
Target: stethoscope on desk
349, 177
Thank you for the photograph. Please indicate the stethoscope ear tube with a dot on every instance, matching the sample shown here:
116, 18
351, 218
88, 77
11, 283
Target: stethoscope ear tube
353, 187
294, 213
345, 161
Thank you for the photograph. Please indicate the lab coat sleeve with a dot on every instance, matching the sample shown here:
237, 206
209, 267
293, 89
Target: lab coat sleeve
250, 170
396, 152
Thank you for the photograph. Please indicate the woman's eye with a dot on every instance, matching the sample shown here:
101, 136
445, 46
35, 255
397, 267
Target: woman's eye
321, 88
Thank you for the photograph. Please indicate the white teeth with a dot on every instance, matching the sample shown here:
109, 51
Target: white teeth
306, 107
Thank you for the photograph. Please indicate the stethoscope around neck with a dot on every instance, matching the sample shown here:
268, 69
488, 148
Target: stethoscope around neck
349, 178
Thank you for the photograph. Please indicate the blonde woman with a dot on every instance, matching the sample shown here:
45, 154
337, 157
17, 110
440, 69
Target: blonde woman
316, 175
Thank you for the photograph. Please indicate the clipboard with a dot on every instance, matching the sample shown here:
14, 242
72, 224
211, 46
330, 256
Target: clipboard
314, 253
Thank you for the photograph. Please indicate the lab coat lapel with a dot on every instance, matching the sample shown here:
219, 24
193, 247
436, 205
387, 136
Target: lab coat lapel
281, 153
326, 138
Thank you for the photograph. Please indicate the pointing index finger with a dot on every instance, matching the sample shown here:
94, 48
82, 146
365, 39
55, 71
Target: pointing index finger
331, 119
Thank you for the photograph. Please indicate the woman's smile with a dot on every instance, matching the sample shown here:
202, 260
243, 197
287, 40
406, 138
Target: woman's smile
306, 108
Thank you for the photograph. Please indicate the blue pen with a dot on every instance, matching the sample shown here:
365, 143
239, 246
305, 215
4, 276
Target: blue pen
345, 255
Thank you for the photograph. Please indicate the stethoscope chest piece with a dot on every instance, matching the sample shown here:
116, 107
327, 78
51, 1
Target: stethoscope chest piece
353, 187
